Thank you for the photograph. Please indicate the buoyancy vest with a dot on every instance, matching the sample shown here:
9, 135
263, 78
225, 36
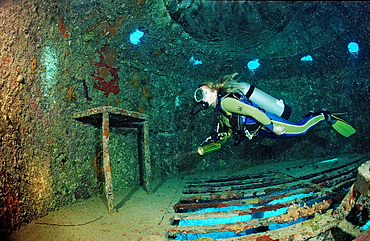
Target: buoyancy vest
242, 125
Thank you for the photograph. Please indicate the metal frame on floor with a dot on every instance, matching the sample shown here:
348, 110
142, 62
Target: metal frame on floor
277, 206
105, 117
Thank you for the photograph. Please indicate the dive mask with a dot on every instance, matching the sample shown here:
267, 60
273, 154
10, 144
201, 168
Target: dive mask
199, 95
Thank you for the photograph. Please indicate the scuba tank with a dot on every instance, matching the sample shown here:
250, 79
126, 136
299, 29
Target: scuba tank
266, 101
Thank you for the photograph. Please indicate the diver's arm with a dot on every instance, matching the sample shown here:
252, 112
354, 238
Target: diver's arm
235, 106
209, 145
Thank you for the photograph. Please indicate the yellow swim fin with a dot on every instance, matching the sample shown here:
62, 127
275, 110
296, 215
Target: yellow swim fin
341, 126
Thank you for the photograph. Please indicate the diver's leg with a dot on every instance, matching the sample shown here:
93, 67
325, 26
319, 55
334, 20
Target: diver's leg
293, 129
338, 124
302, 127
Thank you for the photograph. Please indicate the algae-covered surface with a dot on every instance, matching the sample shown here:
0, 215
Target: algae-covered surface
58, 58
142, 216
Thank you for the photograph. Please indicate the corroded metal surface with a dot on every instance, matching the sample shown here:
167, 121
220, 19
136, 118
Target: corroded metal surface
106, 117
106, 163
147, 177
277, 206
117, 118
362, 183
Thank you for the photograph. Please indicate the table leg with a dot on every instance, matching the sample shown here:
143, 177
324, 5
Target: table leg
146, 157
106, 163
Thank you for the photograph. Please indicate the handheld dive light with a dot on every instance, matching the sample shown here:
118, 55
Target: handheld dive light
214, 146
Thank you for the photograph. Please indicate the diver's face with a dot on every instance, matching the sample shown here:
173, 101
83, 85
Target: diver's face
209, 96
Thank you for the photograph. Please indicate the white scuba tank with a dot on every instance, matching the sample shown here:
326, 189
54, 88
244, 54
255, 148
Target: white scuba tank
266, 101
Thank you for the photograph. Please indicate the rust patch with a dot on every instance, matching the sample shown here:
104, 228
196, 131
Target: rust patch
33, 65
265, 238
70, 93
105, 74
63, 27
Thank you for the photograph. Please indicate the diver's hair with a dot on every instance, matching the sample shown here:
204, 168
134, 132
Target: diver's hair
226, 84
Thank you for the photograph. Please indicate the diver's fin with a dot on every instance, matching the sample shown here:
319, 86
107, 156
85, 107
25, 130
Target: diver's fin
341, 126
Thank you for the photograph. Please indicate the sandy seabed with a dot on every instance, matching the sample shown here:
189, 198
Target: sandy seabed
140, 217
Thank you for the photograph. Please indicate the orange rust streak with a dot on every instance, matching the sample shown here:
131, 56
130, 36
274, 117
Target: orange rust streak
63, 27
96, 163
106, 132
33, 65
265, 238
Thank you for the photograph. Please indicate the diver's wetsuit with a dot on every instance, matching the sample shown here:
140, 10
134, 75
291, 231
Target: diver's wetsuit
258, 122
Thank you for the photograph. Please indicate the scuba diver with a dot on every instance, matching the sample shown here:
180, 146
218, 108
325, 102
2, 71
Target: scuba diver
243, 111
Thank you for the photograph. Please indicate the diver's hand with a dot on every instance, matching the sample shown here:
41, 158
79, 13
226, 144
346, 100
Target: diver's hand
278, 130
223, 135
206, 141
